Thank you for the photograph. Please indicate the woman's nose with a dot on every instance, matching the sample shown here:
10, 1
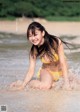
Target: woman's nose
33, 37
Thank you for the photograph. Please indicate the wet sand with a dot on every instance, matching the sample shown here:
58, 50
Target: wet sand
41, 101
30, 100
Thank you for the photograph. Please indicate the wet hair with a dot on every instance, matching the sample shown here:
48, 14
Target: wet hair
50, 41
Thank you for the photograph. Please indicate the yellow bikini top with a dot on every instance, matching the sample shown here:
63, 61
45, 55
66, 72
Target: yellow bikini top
45, 59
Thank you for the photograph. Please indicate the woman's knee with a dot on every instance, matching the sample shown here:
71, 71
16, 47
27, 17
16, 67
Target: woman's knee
45, 86
48, 86
40, 85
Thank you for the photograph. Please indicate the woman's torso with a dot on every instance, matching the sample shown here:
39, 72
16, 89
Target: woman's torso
53, 65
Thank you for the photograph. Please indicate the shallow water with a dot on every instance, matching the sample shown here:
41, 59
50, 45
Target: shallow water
14, 59
14, 62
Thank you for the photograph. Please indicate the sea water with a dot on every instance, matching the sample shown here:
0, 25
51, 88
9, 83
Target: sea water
14, 57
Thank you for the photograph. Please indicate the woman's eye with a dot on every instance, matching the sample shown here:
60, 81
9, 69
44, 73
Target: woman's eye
30, 35
35, 34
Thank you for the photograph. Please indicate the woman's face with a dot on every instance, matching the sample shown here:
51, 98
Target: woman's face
37, 38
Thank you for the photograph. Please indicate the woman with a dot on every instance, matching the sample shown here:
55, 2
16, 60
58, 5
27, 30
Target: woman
50, 50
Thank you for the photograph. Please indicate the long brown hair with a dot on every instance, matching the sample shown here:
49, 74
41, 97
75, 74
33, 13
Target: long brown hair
50, 41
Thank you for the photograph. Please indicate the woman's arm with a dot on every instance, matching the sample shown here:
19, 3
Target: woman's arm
63, 64
30, 72
18, 85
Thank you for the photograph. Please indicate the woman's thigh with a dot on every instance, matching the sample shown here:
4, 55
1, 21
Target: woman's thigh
45, 81
45, 77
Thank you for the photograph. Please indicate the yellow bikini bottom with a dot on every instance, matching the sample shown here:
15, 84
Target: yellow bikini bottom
55, 74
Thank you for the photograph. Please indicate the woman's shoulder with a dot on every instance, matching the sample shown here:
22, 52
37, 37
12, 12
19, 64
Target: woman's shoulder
59, 41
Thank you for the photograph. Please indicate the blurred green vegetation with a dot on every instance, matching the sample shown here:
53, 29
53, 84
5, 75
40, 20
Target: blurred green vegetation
48, 9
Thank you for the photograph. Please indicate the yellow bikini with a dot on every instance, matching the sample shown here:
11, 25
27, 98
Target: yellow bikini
56, 74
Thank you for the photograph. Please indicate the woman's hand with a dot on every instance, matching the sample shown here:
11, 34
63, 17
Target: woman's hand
18, 85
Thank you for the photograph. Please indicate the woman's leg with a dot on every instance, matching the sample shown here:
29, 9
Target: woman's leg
45, 81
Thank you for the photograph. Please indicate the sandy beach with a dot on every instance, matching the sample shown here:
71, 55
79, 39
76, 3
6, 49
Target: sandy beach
31, 100
19, 26
41, 101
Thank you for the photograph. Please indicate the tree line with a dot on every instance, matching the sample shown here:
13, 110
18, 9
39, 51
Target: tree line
39, 8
